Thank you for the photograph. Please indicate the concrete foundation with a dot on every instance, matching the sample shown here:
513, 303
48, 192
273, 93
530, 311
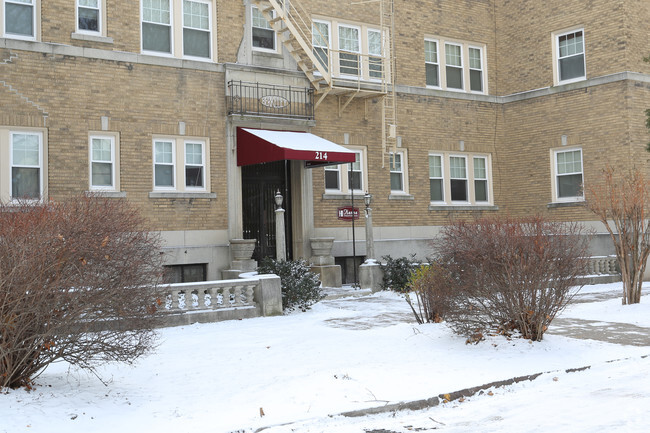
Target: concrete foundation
370, 276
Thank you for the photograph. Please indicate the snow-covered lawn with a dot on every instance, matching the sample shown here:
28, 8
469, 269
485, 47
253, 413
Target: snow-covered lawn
346, 354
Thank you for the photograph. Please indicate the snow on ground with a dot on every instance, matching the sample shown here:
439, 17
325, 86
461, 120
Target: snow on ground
355, 352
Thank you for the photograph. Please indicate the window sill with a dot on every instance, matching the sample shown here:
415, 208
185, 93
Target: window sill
109, 194
561, 204
469, 207
400, 196
177, 195
91, 38
342, 196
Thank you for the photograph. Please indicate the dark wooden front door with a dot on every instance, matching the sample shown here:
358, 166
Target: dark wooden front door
260, 182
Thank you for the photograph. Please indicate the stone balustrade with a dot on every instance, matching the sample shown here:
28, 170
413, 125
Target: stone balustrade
605, 265
212, 301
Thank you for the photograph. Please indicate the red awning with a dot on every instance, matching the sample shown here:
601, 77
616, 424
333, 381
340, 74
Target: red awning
255, 146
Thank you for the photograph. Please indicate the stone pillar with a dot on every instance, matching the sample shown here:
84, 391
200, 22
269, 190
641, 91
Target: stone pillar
370, 273
280, 238
322, 262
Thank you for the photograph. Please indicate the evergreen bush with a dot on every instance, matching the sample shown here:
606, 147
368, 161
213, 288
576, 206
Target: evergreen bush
300, 287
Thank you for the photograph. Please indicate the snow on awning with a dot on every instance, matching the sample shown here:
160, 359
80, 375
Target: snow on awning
255, 146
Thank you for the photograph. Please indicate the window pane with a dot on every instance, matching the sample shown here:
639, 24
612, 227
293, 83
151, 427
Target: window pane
452, 55
355, 180
349, 63
102, 174
263, 38
101, 149
569, 162
395, 162
88, 19
196, 43
25, 182
435, 166
320, 34
458, 190
156, 11
396, 182
259, 21
164, 175
19, 19
569, 185
194, 153
572, 67
349, 39
156, 37
25, 149
196, 15
164, 152
194, 176
430, 51
90, 3
475, 58
432, 74
436, 189
480, 190
322, 55
332, 179
480, 171
476, 80
457, 168
454, 78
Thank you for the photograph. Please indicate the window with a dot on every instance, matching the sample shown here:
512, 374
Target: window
194, 168
345, 178
431, 63
103, 170
459, 63
480, 179
20, 19
333, 178
458, 176
185, 273
196, 29
89, 16
180, 164
436, 181
180, 28
263, 34
349, 45
356, 173
396, 172
156, 26
321, 41
475, 70
568, 173
570, 56
26, 165
375, 61
454, 66
453, 182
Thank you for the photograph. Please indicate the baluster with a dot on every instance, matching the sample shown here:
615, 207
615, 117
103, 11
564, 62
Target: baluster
174, 305
226, 297
212, 291
237, 296
200, 293
249, 295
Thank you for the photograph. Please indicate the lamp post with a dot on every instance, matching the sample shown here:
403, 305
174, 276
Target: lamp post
280, 240
370, 244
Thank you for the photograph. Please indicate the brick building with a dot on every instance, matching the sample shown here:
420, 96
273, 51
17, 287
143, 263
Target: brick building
447, 108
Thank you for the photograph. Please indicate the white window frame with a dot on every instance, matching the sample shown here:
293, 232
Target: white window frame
35, 5
556, 175
435, 63
469, 158
187, 164
442, 48
333, 168
171, 31
441, 178
557, 59
470, 69
100, 18
40, 165
317, 44
275, 48
372, 57
344, 175
401, 172
208, 31
480, 179
350, 52
172, 164
113, 162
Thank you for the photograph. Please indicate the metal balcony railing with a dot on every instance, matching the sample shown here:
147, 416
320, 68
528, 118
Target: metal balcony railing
246, 98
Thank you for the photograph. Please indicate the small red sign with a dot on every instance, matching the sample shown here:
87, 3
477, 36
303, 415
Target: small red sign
348, 213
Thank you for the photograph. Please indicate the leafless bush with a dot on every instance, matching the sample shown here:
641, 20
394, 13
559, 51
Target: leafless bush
432, 286
511, 274
77, 283
621, 204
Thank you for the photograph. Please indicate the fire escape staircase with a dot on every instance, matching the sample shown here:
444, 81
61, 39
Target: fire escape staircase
293, 25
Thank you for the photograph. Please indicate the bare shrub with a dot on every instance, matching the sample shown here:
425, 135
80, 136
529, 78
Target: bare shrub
624, 201
78, 282
511, 274
432, 286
